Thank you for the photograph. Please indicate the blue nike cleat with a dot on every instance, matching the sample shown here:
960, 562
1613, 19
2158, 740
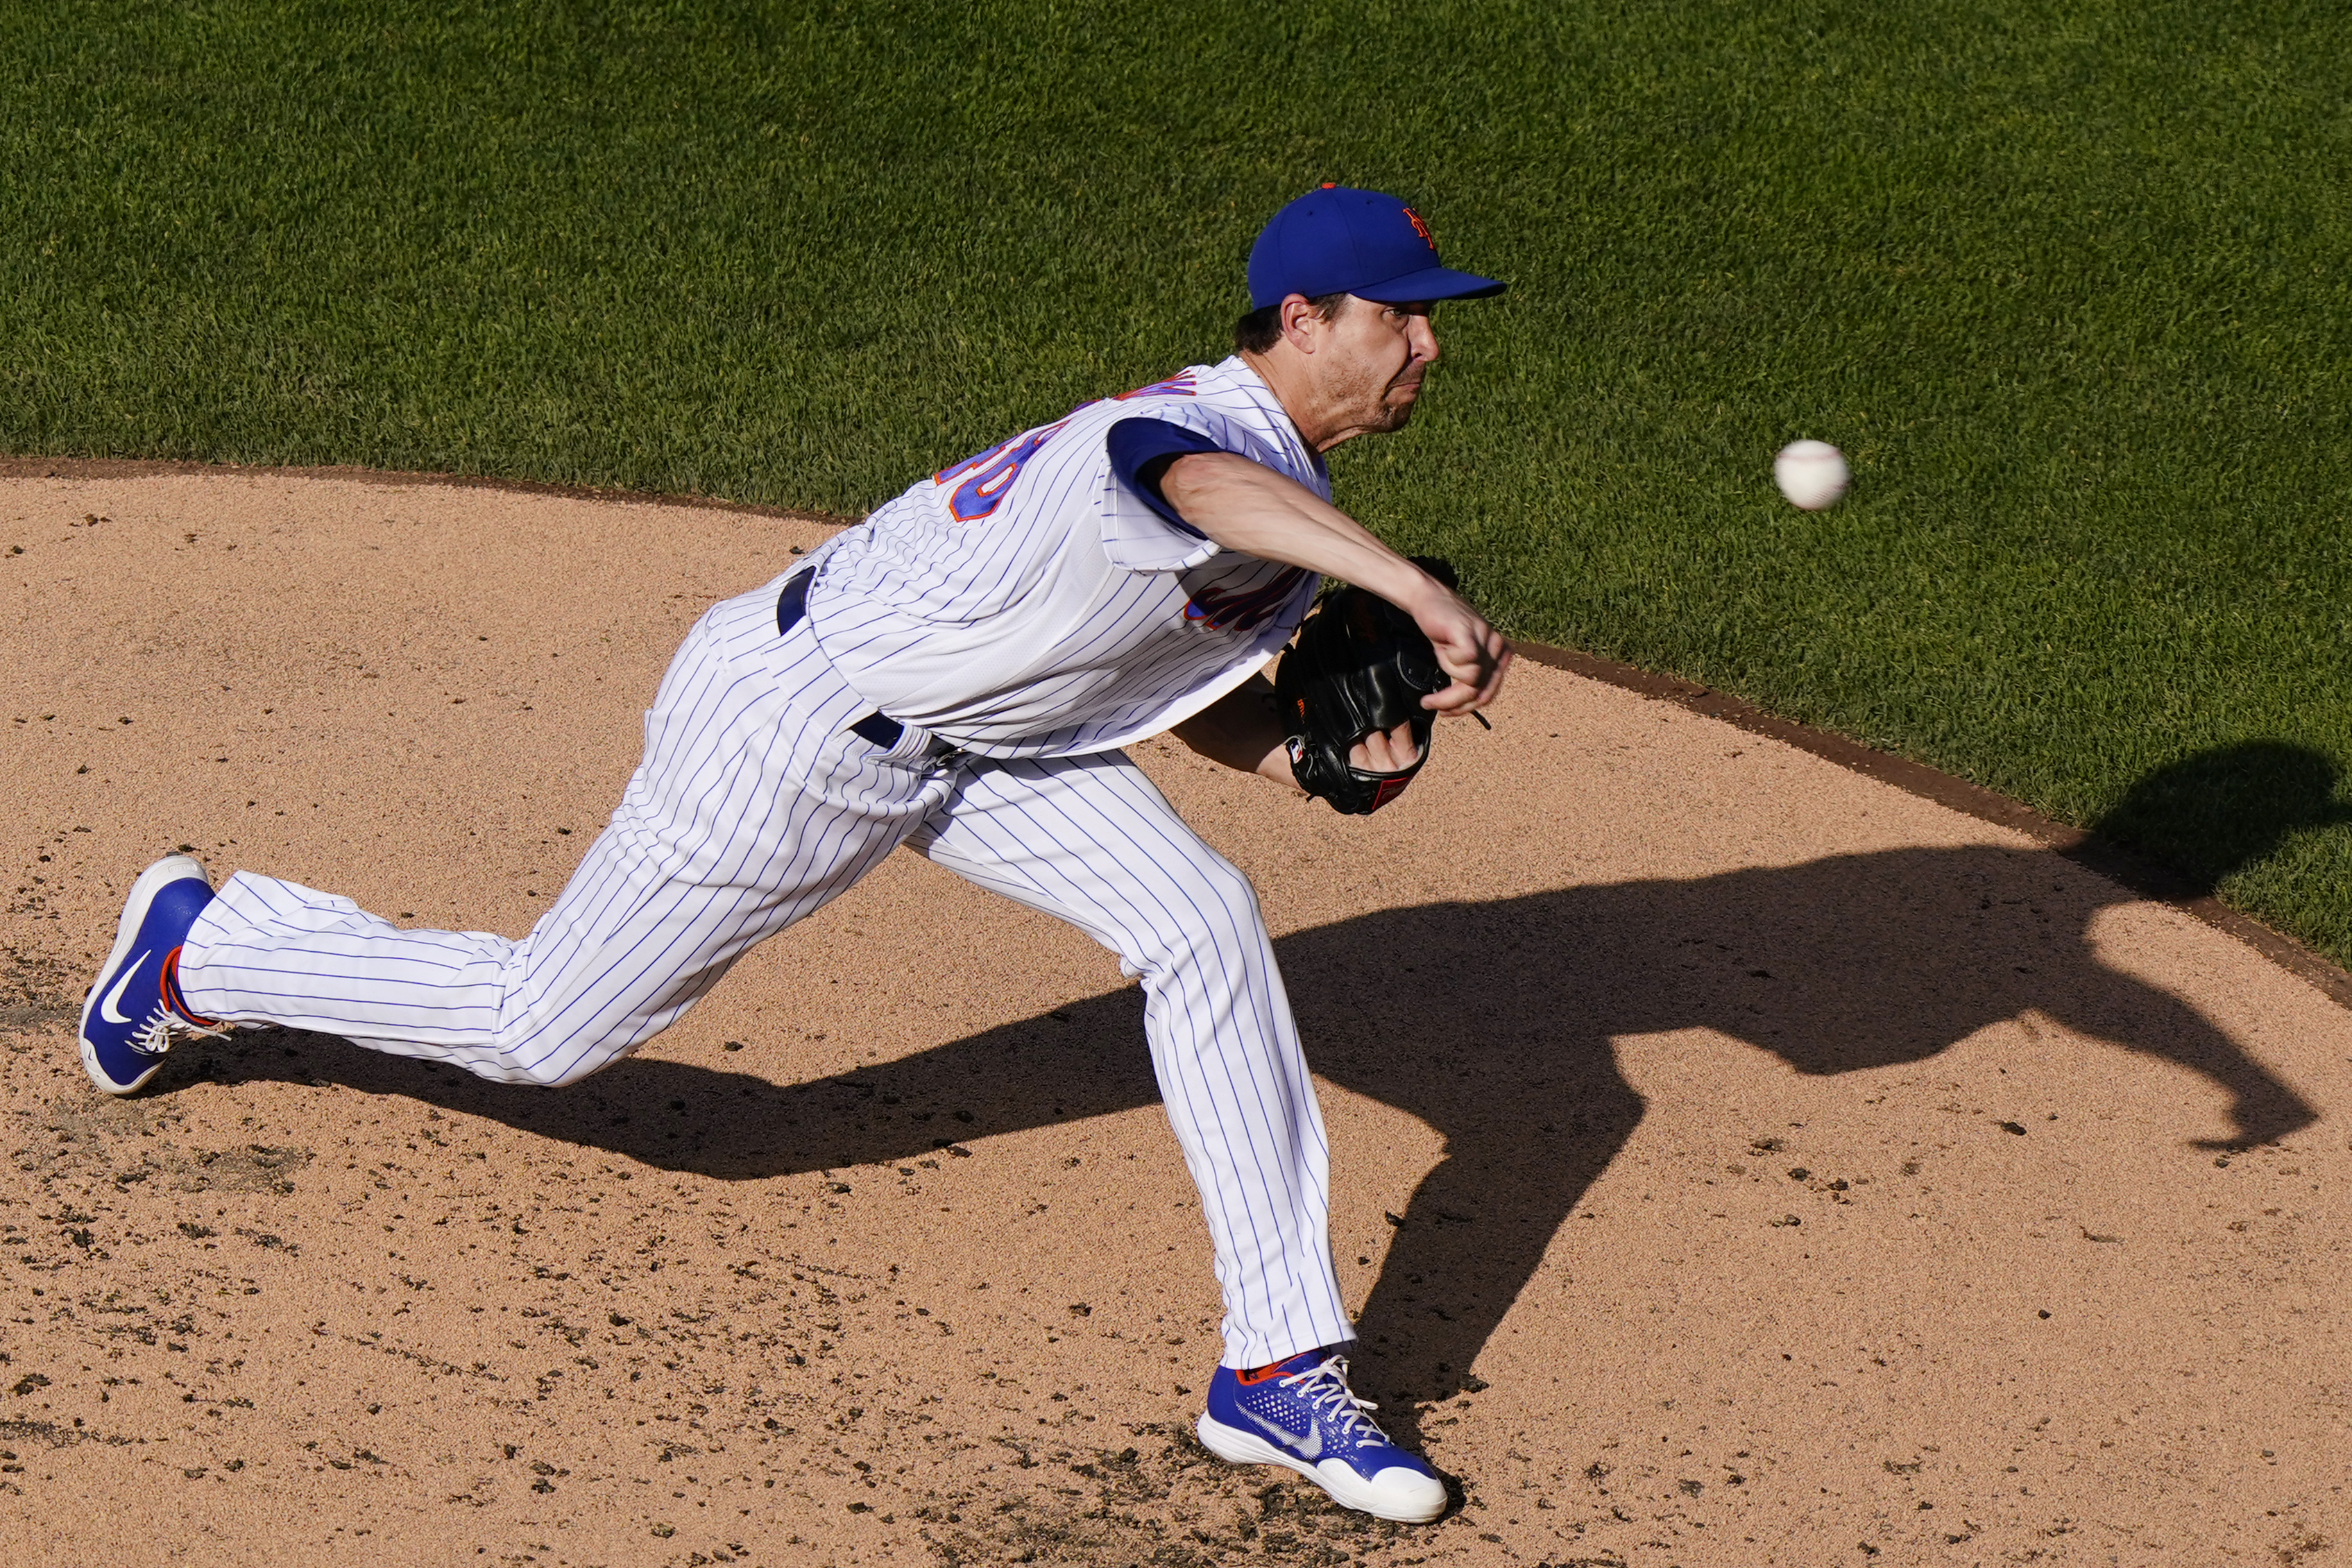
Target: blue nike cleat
1300, 1413
135, 1012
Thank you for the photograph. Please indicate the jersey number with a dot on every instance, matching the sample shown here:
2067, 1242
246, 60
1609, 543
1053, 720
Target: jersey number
1174, 386
990, 474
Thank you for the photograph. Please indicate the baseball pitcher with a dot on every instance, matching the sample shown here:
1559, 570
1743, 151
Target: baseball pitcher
957, 675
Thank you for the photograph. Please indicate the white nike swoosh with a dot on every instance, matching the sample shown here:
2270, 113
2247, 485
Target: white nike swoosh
106, 1009
1309, 1448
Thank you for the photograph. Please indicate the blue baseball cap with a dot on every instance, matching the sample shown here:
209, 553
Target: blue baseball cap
1342, 241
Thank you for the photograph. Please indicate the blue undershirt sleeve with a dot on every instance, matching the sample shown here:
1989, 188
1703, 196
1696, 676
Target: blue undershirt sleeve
1140, 451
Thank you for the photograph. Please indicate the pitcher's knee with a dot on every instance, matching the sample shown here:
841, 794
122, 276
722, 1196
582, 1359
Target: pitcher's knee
549, 1062
562, 1074
1214, 920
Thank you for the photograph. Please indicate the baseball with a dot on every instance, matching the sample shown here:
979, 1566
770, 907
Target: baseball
1811, 474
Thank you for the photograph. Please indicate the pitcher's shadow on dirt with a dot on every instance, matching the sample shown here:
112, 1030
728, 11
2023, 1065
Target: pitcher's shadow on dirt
1491, 1022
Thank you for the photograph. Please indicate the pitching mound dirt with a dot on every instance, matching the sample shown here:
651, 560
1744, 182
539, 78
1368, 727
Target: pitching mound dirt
1738, 1162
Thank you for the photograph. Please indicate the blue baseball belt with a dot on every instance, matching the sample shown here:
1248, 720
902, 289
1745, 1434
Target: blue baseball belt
877, 728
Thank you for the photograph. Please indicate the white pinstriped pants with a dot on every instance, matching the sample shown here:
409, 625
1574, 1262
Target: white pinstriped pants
753, 806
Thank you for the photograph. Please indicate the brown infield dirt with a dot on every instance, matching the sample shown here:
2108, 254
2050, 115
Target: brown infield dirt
1737, 1159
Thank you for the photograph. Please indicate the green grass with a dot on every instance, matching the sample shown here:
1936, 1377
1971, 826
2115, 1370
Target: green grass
2068, 282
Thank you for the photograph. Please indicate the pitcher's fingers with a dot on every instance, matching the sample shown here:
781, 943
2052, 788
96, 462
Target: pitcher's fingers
1454, 699
1494, 677
1385, 751
1464, 695
1403, 750
1475, 664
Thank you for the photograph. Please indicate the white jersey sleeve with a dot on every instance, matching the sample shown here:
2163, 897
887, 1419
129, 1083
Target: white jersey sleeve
1030, 602
1138, 531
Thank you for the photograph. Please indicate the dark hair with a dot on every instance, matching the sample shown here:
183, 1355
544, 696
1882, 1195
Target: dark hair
1262, 328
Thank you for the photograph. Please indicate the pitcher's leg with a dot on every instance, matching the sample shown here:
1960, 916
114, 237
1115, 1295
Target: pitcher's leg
753, 806
626, 949
1091, 840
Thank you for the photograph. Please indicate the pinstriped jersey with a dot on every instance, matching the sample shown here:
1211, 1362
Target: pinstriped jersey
1029, 602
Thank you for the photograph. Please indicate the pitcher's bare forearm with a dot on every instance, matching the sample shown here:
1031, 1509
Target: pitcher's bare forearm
1249, 508
1241, 730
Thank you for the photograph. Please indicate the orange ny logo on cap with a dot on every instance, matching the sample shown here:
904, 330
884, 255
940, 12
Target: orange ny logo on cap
1421, 228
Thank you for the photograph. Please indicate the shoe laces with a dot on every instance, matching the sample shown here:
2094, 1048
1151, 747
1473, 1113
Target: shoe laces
1324, 1387
163, 1029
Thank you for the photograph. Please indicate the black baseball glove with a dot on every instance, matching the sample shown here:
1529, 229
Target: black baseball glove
1359, 665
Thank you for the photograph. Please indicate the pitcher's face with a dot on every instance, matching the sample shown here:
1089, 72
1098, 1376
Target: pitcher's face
1372, 361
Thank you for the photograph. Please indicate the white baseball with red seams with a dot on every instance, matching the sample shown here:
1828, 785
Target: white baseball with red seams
1811, 474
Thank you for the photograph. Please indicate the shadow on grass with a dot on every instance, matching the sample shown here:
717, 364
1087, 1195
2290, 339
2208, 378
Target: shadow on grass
2218, 812
1491, 1022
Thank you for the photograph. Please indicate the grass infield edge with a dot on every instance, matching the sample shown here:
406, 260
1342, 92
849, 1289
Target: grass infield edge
2104, 856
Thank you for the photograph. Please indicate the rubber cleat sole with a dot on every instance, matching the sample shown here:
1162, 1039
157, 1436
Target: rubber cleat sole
1416, 1500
